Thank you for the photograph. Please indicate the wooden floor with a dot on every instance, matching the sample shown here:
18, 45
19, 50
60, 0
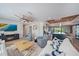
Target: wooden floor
8, 43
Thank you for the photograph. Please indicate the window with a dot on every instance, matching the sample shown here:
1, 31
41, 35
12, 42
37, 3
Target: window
58, 30
77, 31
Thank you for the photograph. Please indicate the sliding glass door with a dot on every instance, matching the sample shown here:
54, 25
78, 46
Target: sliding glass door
58, 30
63, 29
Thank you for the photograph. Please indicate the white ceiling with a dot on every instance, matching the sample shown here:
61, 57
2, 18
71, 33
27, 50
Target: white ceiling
41, 11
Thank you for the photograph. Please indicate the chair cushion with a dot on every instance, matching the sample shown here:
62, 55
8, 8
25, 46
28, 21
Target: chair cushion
41, 42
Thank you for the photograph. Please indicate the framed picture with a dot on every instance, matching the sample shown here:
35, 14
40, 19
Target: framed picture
8, 27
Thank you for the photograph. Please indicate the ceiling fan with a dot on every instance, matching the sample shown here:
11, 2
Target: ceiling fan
25, 17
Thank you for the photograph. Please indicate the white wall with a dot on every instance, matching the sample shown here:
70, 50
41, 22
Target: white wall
39, 28
39, 31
